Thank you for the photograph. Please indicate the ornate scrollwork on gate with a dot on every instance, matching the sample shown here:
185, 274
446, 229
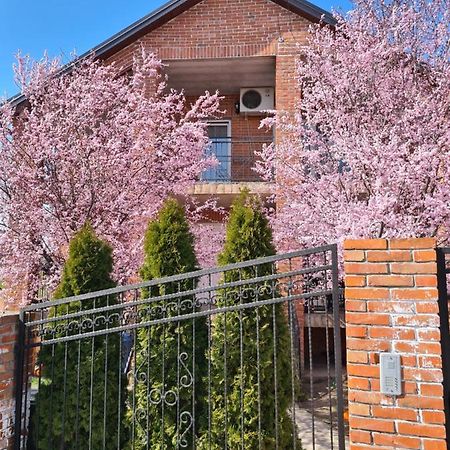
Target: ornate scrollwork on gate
185, 424
186, 380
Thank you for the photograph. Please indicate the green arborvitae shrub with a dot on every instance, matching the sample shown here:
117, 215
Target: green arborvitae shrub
167, 396
241, 406
77, 404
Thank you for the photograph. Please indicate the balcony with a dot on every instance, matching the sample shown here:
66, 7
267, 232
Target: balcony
236, 160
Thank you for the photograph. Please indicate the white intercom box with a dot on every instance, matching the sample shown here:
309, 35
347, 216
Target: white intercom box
390, 374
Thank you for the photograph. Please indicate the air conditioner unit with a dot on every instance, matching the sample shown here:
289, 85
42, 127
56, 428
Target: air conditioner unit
256, 100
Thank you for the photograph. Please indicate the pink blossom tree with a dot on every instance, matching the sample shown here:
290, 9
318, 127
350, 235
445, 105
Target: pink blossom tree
367, 152
207, 223
92, 145
209, 238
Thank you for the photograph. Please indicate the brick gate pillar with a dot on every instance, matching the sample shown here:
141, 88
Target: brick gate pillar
8, 339
392, 306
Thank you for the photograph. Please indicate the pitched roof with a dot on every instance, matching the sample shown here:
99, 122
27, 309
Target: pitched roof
167, 12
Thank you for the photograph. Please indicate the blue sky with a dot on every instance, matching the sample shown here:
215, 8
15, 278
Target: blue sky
64, 26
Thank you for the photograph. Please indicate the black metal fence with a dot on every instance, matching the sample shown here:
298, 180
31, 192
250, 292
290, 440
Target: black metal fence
209, 360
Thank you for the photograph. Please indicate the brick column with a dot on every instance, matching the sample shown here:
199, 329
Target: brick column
8, 338
392, 306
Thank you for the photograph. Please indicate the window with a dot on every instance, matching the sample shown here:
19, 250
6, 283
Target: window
219, 133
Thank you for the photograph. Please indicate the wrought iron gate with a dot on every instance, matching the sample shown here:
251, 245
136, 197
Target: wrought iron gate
217, 358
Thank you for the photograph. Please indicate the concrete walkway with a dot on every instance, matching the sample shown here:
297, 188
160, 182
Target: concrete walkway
321, 439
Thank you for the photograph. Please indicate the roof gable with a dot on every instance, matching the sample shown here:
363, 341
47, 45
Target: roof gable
173, 8
169, 11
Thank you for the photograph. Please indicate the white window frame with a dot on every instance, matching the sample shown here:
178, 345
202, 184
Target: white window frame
227, 123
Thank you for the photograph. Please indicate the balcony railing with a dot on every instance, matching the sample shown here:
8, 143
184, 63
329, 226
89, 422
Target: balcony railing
236, 159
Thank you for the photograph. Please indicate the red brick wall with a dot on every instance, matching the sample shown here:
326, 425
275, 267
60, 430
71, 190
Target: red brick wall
242, 125
224, 29
231, 29
286, 91
8, 337
392, 305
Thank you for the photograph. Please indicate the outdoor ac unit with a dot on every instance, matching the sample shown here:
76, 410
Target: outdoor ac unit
256, 100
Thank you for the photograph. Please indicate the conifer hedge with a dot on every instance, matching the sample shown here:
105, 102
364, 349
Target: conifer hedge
168, 394
78, 401
239, 406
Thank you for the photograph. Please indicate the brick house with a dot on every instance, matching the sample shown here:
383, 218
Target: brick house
245, 49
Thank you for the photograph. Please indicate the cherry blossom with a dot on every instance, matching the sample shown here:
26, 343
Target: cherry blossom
366, 153
96, 145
